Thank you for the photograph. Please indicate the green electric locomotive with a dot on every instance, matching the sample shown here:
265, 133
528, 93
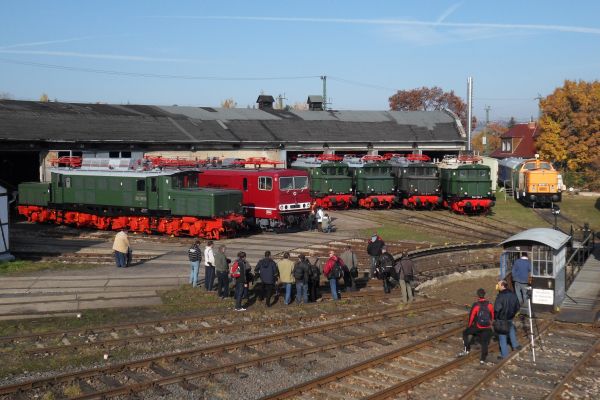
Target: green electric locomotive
373, 181
466, 185
166, 202
331, 184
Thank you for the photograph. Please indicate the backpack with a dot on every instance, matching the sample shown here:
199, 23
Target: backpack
484, 318
234, 271
337, 272
314, 273
354, 272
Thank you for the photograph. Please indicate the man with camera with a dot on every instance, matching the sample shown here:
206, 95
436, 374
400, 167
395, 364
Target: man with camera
521, 273
506, 307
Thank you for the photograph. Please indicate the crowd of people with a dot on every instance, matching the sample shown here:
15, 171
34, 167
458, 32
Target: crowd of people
301, 276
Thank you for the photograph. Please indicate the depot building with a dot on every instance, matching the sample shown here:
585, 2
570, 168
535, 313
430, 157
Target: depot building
32, 133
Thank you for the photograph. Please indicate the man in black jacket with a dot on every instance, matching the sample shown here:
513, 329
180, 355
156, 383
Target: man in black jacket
301, 274
374, 249
267, 270
386, 261
506, 307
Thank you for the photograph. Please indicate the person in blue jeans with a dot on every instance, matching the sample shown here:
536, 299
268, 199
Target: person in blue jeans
328, 272
521, 271
195, 256
506, 307
285, 267
301, 273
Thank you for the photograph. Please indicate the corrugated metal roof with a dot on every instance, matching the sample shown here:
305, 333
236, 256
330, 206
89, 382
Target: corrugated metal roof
549, 237
103, 123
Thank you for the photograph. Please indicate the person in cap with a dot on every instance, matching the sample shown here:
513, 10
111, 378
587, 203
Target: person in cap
374, 250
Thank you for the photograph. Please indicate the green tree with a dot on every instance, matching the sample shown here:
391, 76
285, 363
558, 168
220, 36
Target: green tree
570, 129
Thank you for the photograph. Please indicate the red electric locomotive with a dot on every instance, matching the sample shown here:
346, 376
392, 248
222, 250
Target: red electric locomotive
273, 198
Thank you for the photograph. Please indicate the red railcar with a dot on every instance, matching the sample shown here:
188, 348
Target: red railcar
272, 198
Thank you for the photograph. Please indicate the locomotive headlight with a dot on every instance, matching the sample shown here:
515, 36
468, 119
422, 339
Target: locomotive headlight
466, 193
330, 189
372, 189
350, 189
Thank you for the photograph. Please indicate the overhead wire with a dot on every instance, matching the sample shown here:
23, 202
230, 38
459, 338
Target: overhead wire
151, 75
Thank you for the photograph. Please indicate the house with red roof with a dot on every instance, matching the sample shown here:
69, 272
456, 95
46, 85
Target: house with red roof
518, 141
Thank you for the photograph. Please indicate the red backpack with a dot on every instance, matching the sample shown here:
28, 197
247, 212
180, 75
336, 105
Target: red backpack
234, 270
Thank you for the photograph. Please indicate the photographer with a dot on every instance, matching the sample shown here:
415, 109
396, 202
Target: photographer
506, 307
521, 274
406, 274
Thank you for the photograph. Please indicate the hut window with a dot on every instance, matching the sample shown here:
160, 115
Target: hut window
542, 261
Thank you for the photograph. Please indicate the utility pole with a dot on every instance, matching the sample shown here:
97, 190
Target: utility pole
487, 122
539, 98
280, 100
324, 79
469, 110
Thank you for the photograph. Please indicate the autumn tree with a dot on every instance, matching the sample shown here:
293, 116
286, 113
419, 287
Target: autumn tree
427, 99
569, 129
44, 98
229, 103
492, 132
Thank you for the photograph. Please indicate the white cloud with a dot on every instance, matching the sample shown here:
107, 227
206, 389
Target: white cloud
30, 44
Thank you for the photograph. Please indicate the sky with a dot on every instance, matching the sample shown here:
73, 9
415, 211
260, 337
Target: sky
199, 53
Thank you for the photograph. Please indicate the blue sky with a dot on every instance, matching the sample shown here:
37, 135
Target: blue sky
200, 53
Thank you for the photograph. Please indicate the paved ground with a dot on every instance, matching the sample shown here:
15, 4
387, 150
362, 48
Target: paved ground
163, 265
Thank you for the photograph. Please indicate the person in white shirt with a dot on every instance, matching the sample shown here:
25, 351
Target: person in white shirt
209, 266
320, 215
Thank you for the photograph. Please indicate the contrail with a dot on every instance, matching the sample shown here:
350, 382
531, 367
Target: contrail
447, 13
30, 44
97, 56
535, 27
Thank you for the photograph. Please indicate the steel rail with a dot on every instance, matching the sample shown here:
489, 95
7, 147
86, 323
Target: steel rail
181, 332
271, 358
585, 358
469, 393
215, 348
336, 375
157, 322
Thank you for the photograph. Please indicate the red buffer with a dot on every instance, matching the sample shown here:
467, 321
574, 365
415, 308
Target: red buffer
214, 228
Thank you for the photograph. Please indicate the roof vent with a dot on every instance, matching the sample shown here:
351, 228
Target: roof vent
265, 101
315, 102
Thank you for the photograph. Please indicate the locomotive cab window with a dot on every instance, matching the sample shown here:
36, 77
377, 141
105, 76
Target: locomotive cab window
265, 183
141, 185
153, 184
245, 184
296, 182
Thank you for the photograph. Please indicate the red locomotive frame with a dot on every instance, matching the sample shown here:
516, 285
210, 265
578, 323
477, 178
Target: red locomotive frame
268, 201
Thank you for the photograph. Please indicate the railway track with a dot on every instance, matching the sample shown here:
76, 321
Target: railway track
119, 335
187, 368
426, 369
433, 223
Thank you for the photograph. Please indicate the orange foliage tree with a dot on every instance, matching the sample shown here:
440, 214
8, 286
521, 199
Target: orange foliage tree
492, 132
570, 130
427, 99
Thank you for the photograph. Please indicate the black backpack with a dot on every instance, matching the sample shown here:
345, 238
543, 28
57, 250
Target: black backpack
337, 272
484, 317
314, 273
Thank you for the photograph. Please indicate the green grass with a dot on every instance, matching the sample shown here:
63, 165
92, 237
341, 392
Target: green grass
393, 232
20, 267
516, 213
582, 210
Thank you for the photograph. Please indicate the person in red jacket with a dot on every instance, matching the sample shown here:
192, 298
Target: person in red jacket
333, 270
481, 317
